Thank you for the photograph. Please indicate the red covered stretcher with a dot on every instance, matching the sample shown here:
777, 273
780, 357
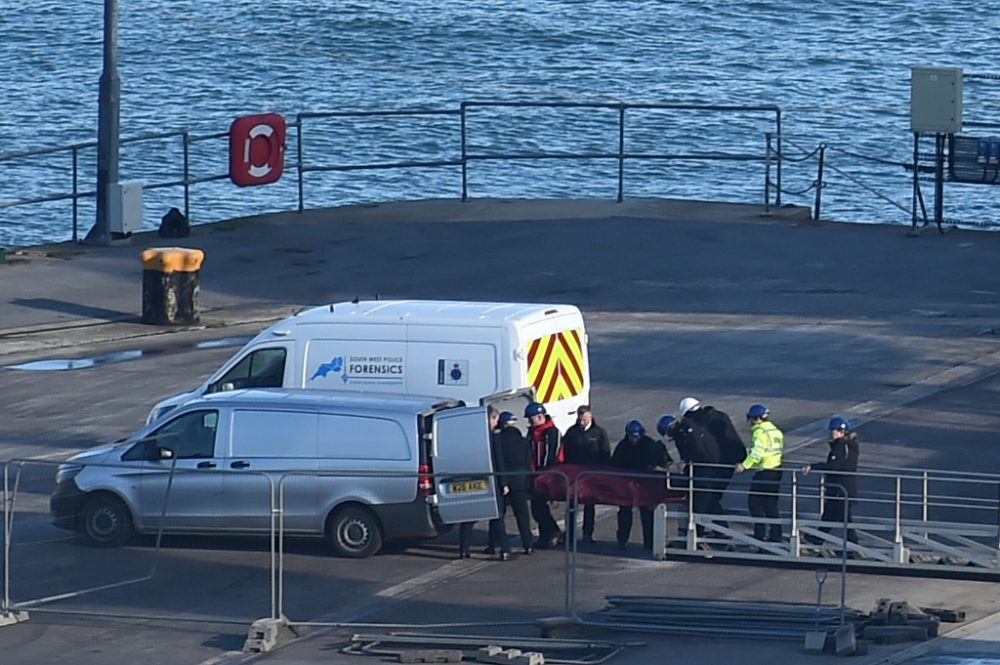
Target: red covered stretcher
604, 485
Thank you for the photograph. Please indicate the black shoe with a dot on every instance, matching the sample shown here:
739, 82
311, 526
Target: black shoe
464, 555
528, 551
489, 550
589, 540
505, 556
541, 544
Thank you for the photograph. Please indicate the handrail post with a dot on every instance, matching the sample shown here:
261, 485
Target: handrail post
6, 539
925, 500
621, 152
298, 159
777, 136
767, 176
692, 533
794, 540
76, 195
465, 156
187, 174
817, 206
899, 551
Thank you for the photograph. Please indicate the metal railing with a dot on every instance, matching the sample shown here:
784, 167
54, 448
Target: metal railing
468, 153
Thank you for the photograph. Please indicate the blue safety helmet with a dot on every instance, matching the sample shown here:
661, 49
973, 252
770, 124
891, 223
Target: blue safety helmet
757, 411
534, 409
839, 423
634, 428
664, 424
506, 417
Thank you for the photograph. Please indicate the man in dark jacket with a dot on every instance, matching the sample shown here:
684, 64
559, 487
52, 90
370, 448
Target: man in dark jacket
699, 450
546, 451
516, 454
732, 450
638, 453
586, 442
842, 483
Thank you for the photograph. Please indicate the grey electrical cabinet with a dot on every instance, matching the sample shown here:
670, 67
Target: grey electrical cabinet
936, 100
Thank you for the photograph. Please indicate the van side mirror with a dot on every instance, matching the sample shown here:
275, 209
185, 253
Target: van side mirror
164, 453
227, 386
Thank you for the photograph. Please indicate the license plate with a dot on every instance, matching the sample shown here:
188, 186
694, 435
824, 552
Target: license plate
468, 486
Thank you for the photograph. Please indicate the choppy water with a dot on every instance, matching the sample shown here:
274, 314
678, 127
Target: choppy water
839, 70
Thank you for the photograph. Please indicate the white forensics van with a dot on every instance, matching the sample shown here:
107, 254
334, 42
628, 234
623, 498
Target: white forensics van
456, 350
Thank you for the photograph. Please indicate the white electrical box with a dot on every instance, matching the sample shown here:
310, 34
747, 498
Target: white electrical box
125, 208
936, 100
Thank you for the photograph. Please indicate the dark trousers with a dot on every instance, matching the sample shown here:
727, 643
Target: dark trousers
465, 536
720, 481
763, 502
548, 530
518, 502
625, 525
833, 510
704, 494
589, 516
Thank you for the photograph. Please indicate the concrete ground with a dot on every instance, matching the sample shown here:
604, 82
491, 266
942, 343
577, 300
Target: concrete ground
898, 333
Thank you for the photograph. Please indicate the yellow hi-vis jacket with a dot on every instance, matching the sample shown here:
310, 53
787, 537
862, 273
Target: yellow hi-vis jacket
766, 442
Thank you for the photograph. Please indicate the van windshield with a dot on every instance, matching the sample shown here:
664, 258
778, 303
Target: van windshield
263, 368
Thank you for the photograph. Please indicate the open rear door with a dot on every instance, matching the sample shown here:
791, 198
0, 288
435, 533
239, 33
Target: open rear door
465, 488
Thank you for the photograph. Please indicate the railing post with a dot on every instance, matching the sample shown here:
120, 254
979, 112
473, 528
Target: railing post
924, 511
298, 160
794, 540
817, 206
692, 532
6, 540
767, 176
76, 204
187, 175
898, 549
621, 152
777, 136
465, 158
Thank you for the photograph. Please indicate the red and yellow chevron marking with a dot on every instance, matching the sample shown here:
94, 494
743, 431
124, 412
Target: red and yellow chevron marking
556, 365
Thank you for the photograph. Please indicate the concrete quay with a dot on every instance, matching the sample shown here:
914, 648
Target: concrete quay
716, 300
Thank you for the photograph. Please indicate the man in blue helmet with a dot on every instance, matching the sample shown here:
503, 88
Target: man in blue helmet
638, 453
842, 484
546, 451
766, 444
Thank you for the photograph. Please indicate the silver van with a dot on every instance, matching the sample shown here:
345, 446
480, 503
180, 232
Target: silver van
355, 468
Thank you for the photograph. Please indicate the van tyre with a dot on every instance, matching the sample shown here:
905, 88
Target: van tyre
105, 522
355, 533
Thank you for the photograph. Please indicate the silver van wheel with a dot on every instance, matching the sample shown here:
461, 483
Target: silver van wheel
105, 522
355, 532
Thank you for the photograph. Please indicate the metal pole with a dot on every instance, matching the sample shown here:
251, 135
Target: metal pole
777, 137
925, 501
76, 198
187, 176
107, 126
795, 514
6, 539
939, 179
298, 150
465, 163
767, 176
817, 207
916, 179
621, 153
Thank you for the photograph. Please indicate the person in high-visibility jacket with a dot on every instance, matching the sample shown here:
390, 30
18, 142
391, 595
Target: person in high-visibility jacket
766, 444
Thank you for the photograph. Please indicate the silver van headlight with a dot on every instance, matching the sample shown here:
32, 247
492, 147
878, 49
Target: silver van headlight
67, 472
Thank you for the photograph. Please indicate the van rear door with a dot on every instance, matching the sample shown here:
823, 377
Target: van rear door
463, 468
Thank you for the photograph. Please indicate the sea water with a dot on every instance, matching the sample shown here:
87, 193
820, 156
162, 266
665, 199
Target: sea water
839, 70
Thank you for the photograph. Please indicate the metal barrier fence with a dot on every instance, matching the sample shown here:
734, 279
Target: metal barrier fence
938, 522
178, 160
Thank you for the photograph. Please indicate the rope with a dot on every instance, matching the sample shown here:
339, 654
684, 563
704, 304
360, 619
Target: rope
866, 187
799, 192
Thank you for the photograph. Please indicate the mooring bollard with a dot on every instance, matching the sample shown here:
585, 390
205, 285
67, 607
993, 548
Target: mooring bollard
170, 285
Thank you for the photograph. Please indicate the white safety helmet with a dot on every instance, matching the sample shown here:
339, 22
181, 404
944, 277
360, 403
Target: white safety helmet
688, 404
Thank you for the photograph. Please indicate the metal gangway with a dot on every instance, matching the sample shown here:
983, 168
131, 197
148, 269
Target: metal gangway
930, 522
